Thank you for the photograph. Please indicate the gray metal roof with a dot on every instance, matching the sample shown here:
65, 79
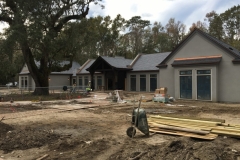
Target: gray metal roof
149, 61
72, 70
117, 62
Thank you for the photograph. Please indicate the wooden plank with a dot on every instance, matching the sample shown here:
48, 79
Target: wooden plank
182, 123
194, 118
179, 121
221, 132
229, 129
182, 129
203, 128
209, 136
185, 120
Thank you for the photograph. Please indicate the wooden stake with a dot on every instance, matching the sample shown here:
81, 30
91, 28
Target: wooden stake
2, 118
44, 156
138, 156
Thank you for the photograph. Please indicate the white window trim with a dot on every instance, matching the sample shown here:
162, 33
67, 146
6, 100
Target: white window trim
210, 82
183, 76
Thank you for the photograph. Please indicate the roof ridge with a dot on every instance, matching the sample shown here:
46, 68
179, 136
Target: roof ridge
206, 35
135, 60
84, 65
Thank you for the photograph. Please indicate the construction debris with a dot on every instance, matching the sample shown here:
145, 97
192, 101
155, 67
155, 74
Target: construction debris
116, 96
160, 95
202, 128
2, 119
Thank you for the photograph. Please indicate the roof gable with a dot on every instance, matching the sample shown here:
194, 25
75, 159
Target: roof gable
229, 49
104, 62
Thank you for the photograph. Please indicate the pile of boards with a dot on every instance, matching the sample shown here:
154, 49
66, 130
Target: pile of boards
160, 95
207, 129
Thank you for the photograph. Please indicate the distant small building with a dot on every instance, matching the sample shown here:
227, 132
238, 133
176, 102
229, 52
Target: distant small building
56, 79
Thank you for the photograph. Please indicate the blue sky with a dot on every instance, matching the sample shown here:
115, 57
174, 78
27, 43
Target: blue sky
186, 11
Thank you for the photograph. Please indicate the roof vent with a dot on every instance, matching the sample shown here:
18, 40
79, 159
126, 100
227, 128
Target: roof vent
230, 48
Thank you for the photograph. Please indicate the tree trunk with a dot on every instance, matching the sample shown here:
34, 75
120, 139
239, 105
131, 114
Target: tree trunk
42, 86
40, 77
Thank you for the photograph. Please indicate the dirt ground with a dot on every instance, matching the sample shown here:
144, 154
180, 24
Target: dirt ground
94, 128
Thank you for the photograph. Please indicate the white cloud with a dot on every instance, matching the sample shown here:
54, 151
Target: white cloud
186, 11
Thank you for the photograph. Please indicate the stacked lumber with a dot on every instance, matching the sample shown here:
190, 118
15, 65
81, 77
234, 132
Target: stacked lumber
201, 128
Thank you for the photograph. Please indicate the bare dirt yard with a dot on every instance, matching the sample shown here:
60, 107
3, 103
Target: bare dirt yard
94, 128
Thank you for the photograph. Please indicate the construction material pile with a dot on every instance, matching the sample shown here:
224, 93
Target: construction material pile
160, 95
207, 129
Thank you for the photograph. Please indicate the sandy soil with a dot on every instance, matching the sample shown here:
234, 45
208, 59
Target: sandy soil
95, 128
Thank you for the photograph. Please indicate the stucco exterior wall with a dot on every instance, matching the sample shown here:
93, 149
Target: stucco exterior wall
58, 81
225, 80
229, 81
138, 80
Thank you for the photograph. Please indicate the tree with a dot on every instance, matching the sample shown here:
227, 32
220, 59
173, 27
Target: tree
136, 26
160, 38
231, 25
215, 25
37, 27
11, 64
175, 31
200, 25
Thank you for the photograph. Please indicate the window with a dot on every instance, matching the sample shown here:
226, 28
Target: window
24, 82
74, 80
86, 80
204, 84
186, 84
99, 80
133, 82
153, 82
80, 82
142, 82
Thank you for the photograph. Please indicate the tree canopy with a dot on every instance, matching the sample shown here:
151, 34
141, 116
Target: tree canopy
41, 30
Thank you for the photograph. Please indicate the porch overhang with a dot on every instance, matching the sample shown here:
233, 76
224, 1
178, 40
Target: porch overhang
193, 61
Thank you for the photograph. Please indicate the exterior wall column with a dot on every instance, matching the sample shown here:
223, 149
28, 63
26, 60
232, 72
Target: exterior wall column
92, 83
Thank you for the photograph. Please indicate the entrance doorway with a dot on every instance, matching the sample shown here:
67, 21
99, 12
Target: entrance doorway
110, 84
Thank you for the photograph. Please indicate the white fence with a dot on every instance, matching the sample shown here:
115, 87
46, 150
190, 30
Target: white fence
4, 90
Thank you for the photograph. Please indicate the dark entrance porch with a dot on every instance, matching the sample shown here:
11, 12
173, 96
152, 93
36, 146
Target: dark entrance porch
114, 70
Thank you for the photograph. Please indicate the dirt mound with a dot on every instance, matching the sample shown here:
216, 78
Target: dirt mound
24, 138
86, 149
180, 148
4, 128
